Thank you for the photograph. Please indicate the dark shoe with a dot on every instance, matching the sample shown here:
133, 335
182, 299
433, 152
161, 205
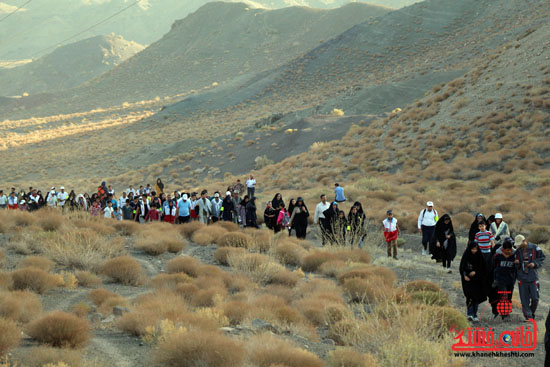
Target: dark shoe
395, 257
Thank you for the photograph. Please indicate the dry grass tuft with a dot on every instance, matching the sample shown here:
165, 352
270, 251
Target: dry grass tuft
236, 311
38, 262
47, 356
222, 254
183, 264
170, 281
88, 279
266, 350
36, 280
208, 235
236, 239
421, 285
19, 306
314, 260
156, 240
125, 270
60, 329
371, 290
6, 281
9, 335
126, 227
289, 253
188, 229
197, 348
228, 226
99, 296
348, 357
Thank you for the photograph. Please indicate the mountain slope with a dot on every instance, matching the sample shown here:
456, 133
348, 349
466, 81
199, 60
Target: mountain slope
68, 66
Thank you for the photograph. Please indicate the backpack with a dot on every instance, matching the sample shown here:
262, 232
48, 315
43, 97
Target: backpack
286, 220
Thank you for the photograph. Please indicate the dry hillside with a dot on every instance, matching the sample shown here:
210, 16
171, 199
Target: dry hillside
68, 66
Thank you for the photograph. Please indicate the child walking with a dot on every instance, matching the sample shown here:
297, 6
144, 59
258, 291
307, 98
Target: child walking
472, 274
391, 232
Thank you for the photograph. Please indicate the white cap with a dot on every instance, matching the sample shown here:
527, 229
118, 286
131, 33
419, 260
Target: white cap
184, 196
53, 188
22, 202
62, 187
216, 195
228, 193
498, 216
429, 203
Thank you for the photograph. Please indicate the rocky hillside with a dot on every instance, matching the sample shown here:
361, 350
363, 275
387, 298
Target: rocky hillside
68, 66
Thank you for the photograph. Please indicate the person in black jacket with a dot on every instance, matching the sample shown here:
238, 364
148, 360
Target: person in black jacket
251, 217
270, 216
357, 223
472, 274
504, 271
298, 218
227, 208
331, 216
474, 228
443, 243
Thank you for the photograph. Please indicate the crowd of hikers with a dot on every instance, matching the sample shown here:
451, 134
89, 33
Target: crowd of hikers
490, 266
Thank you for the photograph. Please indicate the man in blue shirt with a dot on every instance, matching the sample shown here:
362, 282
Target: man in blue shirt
184, 205
339, 192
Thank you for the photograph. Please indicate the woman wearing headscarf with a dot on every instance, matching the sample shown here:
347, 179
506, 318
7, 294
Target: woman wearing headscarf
241, 210
159, 187
331, 218
277, 201
443, 244
298, 218
357, 223
474, 228
472, 274
227, 208
291, 206
251, 217
270, 216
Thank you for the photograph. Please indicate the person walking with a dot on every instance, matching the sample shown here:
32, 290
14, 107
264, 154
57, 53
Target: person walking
127, 211
277, 201
62, 197
241, 210
216, 207
319, 217
283, 218
331, 216
205, 208
251, 186
443, 244
391, 233
357, 222
250, 215
474, 227
298, 218
170, 212
485, 241
473, 271
529, 258
159, 187
499, 229
228, 208
3, 200
270, 216
504, 271
426, 225
339, 193
184, 209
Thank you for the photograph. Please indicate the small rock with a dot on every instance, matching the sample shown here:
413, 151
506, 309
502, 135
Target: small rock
96, 317
119, 311
108, 320
260, 324
227, 329
329, 341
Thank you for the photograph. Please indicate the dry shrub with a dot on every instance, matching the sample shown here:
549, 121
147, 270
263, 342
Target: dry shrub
333, 268
207, 297
236, 311
286, 278
430, 298
157, 241
60, 329
125, 270
9, 335
49, 220
82, 249
81, 309
318, 309
354, 255
289, 253
228, 226
314, 260
222, 253
170, 281
198, 348
266, 351
33, 279
126, 227
88, 279
188, 229
539, 235
236, 239
421, 285
47, 356
183, 264
348, 357
263, 239
19, 306
23, 219
260, 268
38, 262
6, 281
208, 235
371, 290
2, 254
385, 274
99, 296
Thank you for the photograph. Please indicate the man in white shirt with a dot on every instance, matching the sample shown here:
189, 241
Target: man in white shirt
62, 197
131, 190
426, 225
122, 200
51, 200
108, 212
251, 186
3, 200
319, 217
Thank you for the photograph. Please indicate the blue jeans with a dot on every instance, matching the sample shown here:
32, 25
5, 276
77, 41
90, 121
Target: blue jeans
472, 307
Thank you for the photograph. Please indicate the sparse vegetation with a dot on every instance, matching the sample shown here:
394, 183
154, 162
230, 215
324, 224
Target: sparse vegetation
60, 329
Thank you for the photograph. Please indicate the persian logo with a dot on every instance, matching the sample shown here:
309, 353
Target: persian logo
480, 340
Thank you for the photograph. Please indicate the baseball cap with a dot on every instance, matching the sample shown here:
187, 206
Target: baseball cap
22, 202
185, 197
216, 195
389, 212
62, 187
498, 216
429, 203
519, 239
